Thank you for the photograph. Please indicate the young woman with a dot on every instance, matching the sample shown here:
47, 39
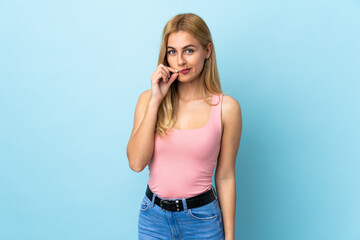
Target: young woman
184, 127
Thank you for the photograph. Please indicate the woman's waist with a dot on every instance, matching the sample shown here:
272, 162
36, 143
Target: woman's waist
172, 187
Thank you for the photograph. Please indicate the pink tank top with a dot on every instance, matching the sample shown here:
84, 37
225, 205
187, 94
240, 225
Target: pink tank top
182, 164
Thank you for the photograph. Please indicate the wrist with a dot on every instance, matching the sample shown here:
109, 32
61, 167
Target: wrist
154, 103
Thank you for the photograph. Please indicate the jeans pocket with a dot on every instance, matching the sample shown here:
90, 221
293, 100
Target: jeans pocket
206, 212
146, 202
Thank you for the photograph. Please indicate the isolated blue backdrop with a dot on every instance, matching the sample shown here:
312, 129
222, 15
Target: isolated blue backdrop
70, 76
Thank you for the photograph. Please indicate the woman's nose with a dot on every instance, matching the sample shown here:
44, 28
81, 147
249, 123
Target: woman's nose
181, 60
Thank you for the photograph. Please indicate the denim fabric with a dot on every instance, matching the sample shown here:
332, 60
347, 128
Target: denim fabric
203, 222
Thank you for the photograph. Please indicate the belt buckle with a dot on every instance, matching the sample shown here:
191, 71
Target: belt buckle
169, 202
161, 203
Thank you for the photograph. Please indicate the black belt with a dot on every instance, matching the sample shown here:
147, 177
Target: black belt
177, 205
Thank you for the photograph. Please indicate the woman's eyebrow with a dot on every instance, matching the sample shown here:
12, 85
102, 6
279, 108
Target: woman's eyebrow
190, 45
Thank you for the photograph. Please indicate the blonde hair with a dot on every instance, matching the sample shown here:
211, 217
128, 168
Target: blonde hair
209, 77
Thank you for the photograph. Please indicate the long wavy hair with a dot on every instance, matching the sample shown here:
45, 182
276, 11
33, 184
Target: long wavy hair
209, 77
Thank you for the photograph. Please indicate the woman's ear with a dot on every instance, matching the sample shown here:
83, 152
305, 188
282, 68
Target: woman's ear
208, 50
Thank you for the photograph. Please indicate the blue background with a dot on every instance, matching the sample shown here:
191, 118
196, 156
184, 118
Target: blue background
70, 76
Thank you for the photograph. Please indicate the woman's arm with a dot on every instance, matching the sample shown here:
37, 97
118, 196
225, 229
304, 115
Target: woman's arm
141, 144
225, 170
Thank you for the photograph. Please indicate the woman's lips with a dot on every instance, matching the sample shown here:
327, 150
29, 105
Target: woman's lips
185, 71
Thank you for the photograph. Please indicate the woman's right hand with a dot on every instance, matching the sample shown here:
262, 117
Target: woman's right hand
161, 81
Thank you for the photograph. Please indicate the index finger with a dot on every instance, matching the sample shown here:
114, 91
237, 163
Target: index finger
173, 69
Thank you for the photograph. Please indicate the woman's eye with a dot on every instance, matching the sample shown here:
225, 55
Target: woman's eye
189, 51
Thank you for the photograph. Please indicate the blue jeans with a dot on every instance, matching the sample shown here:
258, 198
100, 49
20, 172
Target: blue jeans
203, 222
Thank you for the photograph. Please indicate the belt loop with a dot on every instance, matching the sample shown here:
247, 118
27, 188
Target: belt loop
184, 204
153, 200
213, 189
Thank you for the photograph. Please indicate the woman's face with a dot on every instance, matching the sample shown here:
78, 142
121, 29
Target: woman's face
184, 51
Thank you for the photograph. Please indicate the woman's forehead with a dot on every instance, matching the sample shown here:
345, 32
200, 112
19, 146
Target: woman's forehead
181, 39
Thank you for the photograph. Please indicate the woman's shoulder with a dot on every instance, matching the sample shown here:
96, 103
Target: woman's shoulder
229, 102
145, 94
231, 110
144, 97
